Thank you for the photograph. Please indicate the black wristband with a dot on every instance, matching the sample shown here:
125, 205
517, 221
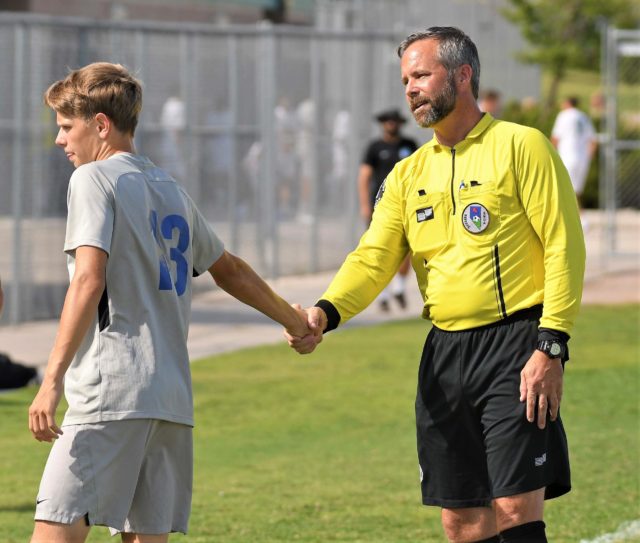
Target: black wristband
333, 317
545, 334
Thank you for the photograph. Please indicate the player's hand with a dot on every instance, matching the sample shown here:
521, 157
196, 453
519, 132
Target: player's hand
42, 412
541, 387
316, 322
300, 327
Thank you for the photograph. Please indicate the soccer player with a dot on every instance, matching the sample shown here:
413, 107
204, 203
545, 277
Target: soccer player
488, 214
380, 157
122, 456
575, 138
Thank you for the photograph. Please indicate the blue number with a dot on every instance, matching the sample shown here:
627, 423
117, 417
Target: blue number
168, 225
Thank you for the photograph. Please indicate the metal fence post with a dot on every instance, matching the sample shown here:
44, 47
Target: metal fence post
610, 153
17, 168
315, 84
267, 182
232, 134
358, 132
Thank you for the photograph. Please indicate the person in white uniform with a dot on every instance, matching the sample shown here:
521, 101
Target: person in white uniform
122, 456
575, 138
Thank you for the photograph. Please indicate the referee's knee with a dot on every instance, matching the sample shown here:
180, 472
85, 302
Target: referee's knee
473, 524
519, 509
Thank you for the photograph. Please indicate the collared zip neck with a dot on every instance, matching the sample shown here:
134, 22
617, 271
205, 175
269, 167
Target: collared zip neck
453, 174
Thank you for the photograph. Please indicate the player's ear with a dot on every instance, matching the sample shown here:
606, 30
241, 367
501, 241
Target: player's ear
103, 125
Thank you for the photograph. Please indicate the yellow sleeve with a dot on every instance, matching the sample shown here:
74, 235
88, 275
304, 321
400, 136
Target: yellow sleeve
552, 208
370, 267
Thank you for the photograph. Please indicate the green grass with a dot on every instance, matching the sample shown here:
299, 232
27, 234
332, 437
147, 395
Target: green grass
322, 448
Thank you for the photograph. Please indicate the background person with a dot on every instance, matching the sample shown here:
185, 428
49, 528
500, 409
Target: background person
123, 456
575, 138
380, 157
491, 102
487, 212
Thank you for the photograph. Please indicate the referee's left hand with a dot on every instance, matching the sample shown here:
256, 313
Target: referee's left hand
541, 387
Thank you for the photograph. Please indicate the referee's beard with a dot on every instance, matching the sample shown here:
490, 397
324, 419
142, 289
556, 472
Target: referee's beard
442, 104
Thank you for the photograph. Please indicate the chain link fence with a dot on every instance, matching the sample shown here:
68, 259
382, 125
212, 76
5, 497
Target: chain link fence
620, 152
264, 126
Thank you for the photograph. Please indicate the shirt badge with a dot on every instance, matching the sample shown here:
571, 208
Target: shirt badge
424, 214
475, 218
380, 193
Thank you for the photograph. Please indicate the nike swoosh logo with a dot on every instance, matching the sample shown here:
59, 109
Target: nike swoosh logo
42, 500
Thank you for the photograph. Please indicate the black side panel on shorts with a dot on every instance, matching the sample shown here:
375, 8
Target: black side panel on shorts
103, 311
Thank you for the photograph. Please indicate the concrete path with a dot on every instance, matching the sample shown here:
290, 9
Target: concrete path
221, 323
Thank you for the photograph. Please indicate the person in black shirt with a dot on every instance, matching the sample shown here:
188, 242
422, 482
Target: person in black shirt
379, 159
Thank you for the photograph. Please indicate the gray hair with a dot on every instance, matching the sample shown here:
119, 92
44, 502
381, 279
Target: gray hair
455, 48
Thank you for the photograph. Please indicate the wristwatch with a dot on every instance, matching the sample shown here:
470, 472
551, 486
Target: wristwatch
553, 348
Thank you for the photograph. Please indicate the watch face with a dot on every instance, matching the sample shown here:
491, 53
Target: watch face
555, 349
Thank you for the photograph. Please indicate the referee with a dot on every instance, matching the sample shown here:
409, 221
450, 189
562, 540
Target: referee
488, 214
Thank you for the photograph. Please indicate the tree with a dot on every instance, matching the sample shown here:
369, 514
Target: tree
566, 34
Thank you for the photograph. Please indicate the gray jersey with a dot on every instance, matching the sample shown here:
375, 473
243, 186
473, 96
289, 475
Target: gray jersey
133, 362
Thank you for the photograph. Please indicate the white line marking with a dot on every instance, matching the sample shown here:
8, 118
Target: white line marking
625, 531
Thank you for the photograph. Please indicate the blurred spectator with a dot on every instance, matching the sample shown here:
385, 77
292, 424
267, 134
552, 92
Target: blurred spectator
173, 120
575, 138
381, 156
339, 153
218, 158
286, 128
306, 151
491, 102
597, 109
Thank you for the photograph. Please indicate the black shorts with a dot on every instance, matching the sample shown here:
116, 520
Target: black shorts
474, 441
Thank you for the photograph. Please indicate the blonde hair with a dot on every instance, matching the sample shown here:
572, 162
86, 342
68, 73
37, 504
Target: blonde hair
101, 87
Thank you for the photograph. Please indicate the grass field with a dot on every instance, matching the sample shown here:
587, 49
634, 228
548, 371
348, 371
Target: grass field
321, 448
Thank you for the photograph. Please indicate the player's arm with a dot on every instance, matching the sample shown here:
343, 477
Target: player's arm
364, 180
235, 276
79, 311
1, 298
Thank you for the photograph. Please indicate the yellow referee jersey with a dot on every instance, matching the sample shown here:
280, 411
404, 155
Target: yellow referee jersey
492, 226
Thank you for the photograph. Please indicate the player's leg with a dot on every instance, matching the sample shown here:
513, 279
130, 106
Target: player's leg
55, 532
404, 268
400, 282
145, 538
519, 518
161, 504
470, 524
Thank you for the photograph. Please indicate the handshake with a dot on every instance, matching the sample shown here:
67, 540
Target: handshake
307, 332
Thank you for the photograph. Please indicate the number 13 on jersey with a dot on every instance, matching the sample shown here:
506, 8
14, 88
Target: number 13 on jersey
166, 229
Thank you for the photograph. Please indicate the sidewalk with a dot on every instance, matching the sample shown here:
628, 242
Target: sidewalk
221, 323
